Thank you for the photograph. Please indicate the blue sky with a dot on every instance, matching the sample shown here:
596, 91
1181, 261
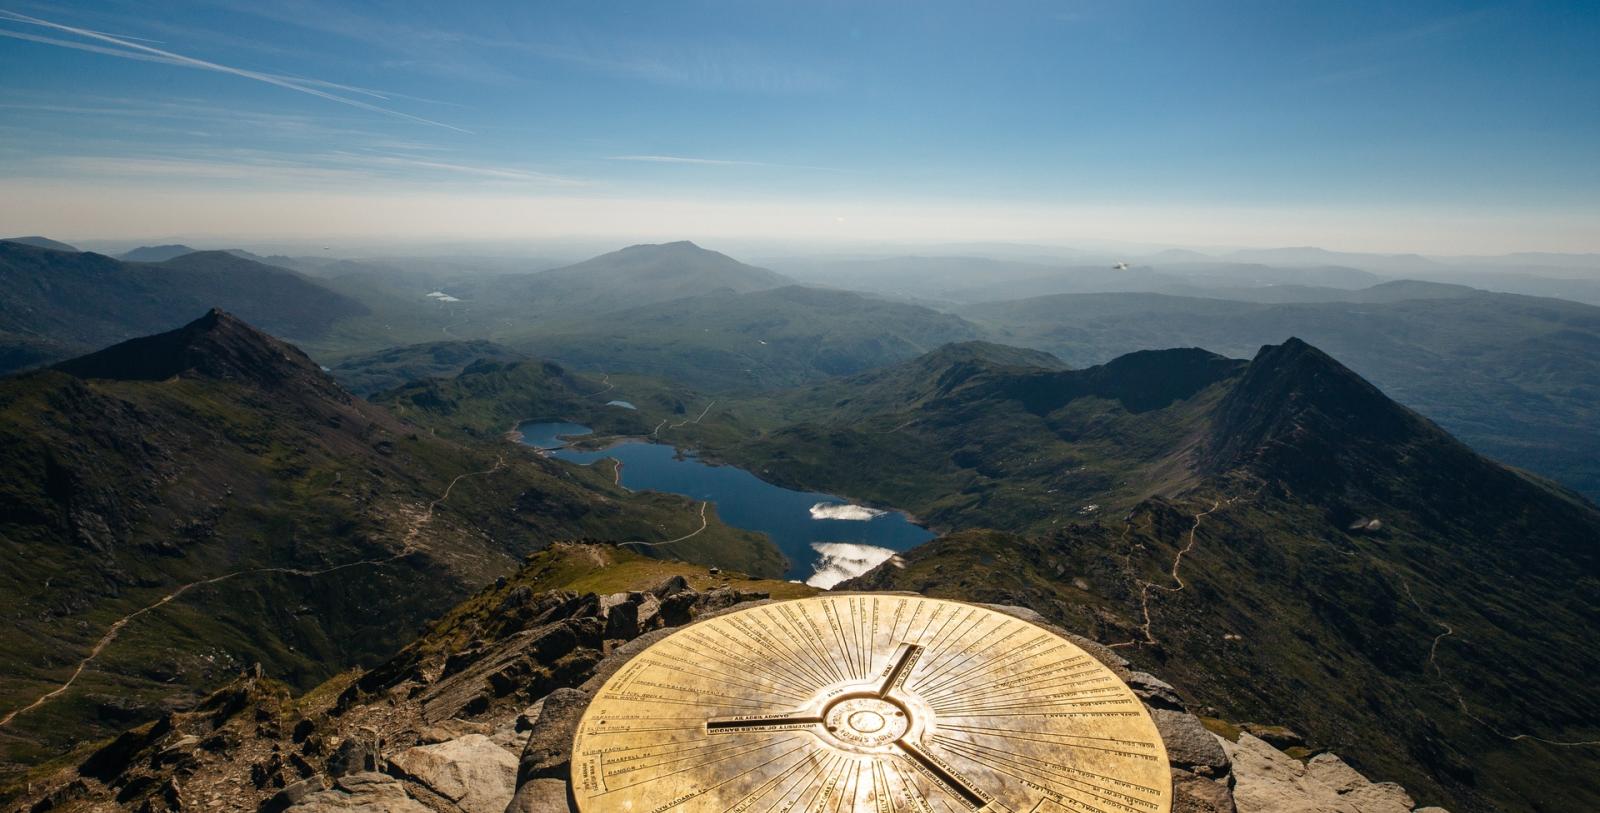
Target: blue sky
1418, 125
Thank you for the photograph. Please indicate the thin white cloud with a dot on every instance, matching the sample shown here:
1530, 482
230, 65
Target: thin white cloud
502, 173
716, 162
133, 50
270, 168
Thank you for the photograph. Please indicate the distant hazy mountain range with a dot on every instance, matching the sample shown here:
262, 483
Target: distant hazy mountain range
1513, 376
61, 302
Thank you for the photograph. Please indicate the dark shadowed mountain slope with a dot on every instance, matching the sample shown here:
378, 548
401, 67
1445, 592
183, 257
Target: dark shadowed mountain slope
61, 303
178, 507
1322, 556
976, 435
1516, 377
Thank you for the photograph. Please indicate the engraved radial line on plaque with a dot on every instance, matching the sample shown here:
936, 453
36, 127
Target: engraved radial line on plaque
868, 636
954, 650
1031, 689
797, 641
830, 615
750, 799
1054, 790
670, 747
1084, 694
752, 749
676, 702
1035, 690
809, 636
868, 639
855, 788
908, 653
1023, 736
802, 773
908, 789
911, 620
807, 642
801, 779
963, 686
830, 791
762, 642
1041, 678
845, 623
726, 679
931, 644
855, 636
1042, 770
837, 631
773, 676
933, 617
793, 643
911, 623
1059, 673
952, 641
943, 776
1025, 703
1091, 776
688, 753
983, 670
954, 661
1008, 732
872, 657
856, 616
880, 790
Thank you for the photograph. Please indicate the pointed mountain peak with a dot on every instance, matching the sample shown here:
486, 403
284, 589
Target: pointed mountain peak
1294, 396
217, 346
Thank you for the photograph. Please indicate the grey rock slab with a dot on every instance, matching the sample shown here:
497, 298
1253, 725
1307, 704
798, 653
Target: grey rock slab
471, 771
362, 793
1189, 744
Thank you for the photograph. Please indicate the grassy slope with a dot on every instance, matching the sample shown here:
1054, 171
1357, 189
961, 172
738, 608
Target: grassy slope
120, 491
1478, 581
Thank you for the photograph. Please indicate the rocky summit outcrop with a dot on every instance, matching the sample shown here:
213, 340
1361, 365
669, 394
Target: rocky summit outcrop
478, 716
1268, 780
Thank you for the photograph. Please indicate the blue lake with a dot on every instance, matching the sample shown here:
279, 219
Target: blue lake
825, 538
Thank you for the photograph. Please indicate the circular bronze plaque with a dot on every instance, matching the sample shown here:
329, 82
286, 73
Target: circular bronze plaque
860, 702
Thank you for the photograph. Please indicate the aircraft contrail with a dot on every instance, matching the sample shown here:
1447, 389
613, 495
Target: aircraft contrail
149, 53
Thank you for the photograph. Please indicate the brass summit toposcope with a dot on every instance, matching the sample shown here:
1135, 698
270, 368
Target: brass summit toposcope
861, 702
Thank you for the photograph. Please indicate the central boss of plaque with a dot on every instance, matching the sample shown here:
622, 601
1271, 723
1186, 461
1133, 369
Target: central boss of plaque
861, 702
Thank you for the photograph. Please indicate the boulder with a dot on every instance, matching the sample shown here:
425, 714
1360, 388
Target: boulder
1189, 745
361, 793
541, 796
294, 794
471, 771
548, 753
